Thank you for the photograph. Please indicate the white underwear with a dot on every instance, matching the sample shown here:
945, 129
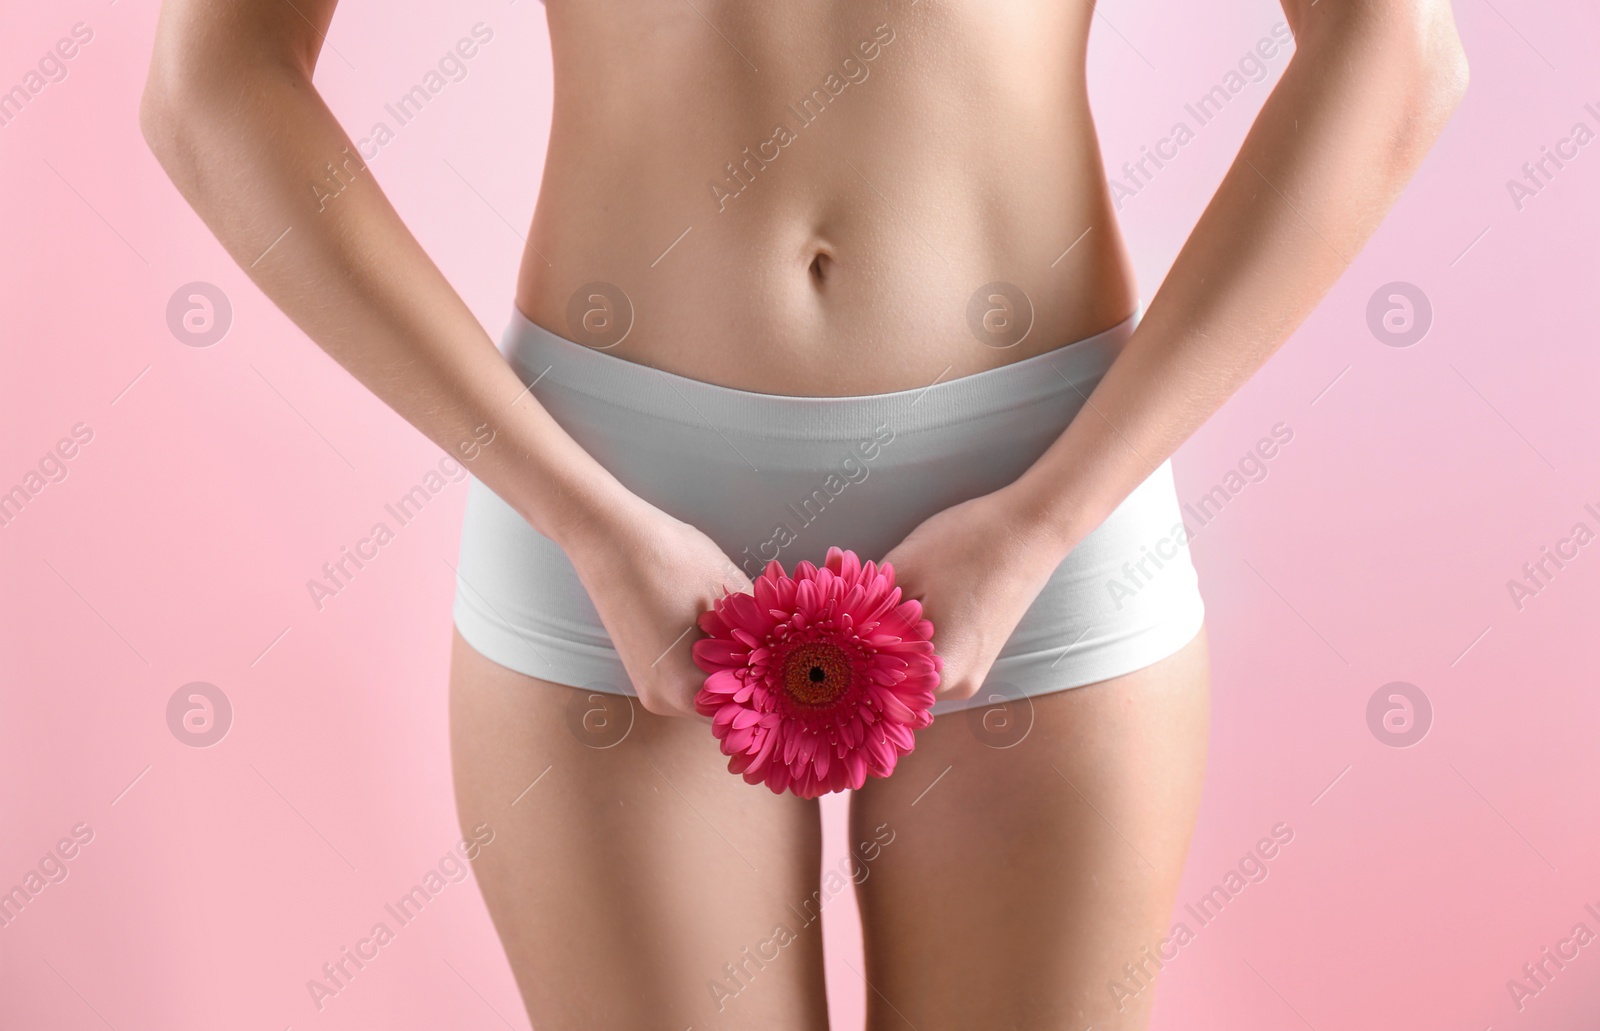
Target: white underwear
771, 476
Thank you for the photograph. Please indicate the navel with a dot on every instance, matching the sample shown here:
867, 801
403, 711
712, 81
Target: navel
821, 267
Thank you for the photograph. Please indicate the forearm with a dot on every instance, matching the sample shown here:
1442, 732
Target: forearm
1365, 95
244, 144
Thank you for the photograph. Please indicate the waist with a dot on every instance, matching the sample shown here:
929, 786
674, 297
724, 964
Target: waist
829, 223
581, 384
876, 295
739, 463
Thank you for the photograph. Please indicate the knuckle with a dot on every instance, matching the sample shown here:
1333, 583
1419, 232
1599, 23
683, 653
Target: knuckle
652, 702
961, 688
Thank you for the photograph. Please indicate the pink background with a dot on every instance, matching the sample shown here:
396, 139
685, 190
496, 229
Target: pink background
1419, 480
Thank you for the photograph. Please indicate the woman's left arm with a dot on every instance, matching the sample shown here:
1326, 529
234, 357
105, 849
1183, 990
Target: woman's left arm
1367, 92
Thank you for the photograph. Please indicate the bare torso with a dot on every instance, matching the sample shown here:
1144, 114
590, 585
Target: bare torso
961, 153
803, 198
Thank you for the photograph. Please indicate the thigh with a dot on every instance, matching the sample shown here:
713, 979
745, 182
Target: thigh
1022, 879
635, 883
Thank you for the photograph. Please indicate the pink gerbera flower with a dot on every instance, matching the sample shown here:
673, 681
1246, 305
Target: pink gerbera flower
818, 679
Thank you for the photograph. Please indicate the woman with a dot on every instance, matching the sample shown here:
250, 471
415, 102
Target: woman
801, 275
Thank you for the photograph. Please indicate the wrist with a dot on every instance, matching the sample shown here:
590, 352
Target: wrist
1042, 516
596, 516
577, 508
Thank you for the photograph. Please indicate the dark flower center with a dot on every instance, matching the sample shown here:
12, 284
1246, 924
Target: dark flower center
816, 673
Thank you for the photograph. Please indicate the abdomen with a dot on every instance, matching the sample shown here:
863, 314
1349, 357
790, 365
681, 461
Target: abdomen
807, 198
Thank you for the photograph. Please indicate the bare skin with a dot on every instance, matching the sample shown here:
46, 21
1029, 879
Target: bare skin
962, 152
1019, 877
633, 869
1025, 873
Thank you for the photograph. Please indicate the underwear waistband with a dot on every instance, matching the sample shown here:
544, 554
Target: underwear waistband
548, 361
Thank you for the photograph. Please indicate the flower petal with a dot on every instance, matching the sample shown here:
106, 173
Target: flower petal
771, 737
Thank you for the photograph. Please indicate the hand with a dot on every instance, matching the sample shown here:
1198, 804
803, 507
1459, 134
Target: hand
976, 567
650, 576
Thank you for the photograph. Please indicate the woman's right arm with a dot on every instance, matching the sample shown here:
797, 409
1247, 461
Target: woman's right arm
230, 112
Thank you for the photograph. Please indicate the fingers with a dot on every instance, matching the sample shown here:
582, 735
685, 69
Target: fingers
958, 691
670, 694
735, 581
960, 678
658, 706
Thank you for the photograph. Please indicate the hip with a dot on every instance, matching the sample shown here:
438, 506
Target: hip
775, 476
771, 476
